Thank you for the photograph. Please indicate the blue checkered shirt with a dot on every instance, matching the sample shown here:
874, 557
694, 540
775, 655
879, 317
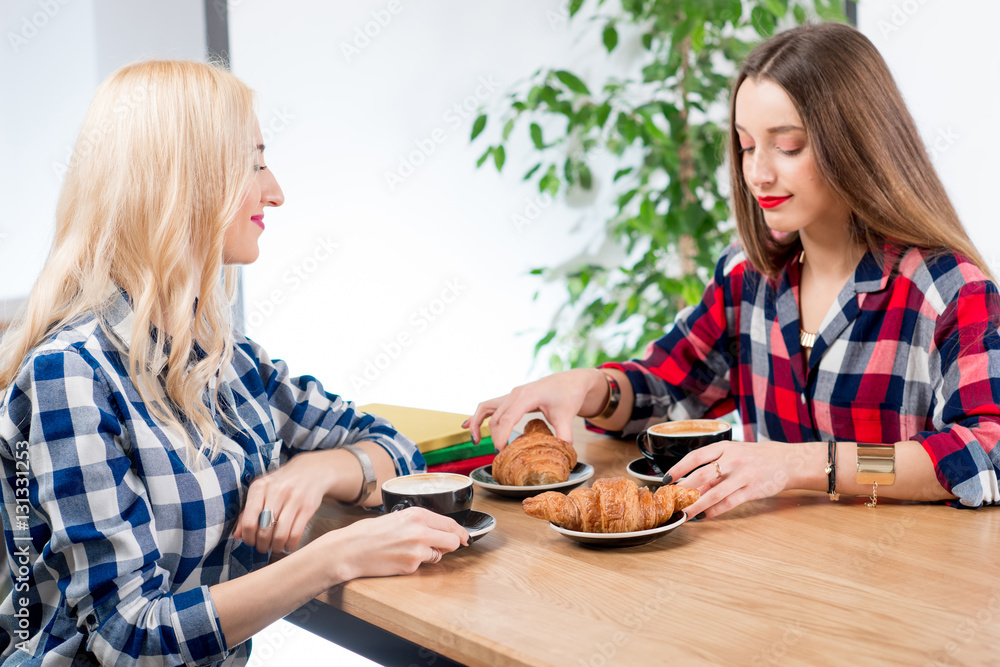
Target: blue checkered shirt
111, 539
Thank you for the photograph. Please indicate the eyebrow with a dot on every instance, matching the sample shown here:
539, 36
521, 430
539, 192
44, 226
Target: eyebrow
775, 130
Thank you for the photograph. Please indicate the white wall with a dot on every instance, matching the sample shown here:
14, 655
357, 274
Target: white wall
53, 55
944, 58
338, 123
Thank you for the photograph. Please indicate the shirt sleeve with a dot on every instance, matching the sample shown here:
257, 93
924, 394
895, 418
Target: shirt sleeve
93, 533
686, 373
307, 417
966, 406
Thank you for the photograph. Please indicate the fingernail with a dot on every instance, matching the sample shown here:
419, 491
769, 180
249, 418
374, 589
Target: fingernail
700, 517
668, 478
465, 424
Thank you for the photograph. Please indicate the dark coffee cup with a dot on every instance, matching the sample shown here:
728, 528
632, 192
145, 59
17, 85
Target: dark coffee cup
667, 443
442, 492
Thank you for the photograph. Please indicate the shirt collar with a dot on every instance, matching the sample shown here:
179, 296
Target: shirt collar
869, 275
120, 316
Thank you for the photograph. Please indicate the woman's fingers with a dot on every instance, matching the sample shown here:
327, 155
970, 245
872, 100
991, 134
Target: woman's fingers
714, 496
483, 410
697, 459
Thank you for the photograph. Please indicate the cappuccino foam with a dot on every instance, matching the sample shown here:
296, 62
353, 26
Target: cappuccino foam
421, 484
690, 428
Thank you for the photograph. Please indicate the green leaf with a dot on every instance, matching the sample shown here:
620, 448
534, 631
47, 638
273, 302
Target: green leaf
549, 182
647, 41
800, 14
574, 6
531, 172
610, 37
478, 127
620, 173
603, 112
777, 7
499, 155
507, 129
546, 339
536, 136
763, 22
586, 179
572, 82
482, 158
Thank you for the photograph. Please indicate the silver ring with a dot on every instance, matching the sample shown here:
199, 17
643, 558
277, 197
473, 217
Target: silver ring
435, 557
718, 469
266, 519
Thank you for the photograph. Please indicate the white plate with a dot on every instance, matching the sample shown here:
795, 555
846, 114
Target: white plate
483, 478
632, 539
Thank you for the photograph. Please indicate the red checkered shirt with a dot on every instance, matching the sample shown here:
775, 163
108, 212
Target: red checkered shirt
910, 351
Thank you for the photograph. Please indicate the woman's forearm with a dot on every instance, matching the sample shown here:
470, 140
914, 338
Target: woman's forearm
248, 604
915, 475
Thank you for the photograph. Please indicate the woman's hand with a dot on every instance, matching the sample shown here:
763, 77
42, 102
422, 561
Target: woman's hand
293, 493
396, 543
750, 471
559, 397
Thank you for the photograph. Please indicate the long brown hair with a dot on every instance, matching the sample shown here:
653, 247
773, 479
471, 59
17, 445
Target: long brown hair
865, 144
169, 157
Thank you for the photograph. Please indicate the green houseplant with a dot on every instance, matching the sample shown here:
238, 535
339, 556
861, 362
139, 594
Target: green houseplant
664, 130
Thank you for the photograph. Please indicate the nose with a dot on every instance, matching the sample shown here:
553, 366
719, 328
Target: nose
757, 171
270, 191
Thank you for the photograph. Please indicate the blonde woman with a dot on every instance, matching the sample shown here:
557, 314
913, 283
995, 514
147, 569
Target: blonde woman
854, 326
153, 457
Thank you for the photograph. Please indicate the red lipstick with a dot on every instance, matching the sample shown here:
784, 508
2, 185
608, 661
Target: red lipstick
259, 219
771, 202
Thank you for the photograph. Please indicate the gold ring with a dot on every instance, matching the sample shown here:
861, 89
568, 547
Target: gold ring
718, 469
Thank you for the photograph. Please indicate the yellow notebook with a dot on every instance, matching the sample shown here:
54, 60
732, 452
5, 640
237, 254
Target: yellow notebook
430, 429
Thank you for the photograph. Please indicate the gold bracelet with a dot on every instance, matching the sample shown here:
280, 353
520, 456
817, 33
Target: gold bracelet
876, 465
614, 397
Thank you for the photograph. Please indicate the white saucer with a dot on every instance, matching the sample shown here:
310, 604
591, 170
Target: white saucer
632, 539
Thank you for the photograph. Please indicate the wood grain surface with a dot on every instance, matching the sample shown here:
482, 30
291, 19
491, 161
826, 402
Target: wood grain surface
791, 580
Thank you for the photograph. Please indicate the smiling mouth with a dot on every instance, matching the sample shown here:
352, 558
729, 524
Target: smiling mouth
259, 220
771, 202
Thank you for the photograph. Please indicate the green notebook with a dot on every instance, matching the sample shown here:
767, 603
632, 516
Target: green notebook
466, 450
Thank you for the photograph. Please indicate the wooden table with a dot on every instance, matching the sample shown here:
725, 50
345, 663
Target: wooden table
794, 579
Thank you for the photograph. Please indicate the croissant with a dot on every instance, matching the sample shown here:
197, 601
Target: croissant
534, 458
612, 505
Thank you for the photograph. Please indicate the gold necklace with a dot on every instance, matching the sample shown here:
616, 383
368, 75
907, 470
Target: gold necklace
806, 339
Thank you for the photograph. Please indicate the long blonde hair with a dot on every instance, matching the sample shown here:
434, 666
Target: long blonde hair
162, 163
866, 146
